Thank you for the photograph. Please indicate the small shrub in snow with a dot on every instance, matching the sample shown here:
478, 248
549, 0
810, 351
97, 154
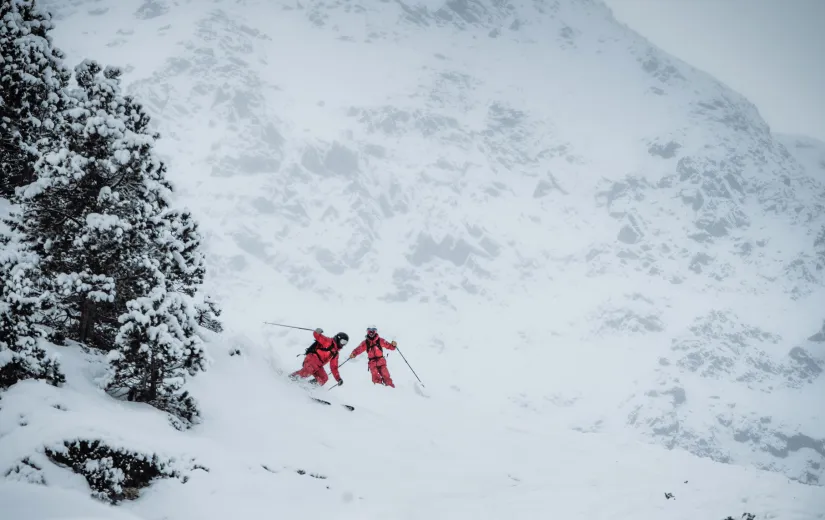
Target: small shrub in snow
57, 337
26, 471
208, 314
114, 474
313, 475
184, 410
32, 77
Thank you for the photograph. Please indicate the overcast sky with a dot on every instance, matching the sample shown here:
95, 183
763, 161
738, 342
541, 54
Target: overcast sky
772, 51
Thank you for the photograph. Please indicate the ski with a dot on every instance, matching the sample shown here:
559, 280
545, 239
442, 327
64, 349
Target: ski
349, 407
309, 387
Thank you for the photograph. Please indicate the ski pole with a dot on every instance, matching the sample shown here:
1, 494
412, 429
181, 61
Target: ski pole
288, 326
339, 367
408, 364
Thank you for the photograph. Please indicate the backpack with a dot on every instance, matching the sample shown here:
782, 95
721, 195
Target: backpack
315, 347
377, 345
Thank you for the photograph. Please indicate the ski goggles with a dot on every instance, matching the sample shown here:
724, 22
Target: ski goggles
372, 329
343, 342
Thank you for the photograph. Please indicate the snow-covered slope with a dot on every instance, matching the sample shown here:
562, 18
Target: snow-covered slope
560, 224
266, 451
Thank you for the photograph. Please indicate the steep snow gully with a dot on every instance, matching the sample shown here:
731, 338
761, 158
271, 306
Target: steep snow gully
605, 268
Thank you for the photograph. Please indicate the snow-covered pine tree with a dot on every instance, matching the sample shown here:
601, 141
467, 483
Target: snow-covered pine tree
32, 79
119, 266
78, 216
157, 346
96, 210
20, 355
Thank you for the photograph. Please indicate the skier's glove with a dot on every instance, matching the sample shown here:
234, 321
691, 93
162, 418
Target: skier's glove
319, 330
340, 382
394, 344
352, 356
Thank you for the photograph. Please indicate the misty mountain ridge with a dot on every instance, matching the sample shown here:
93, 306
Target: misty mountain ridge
494, 155
562, 222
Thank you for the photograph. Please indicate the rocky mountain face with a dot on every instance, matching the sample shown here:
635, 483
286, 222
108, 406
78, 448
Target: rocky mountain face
527, 179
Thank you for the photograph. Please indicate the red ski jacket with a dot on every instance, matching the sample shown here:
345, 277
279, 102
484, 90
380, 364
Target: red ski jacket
371, 347
327, 353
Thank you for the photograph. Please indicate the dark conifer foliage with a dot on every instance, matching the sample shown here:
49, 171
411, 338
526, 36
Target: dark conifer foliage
32, 79
113, 474
209, 314
118, 268
87, 214
21, 357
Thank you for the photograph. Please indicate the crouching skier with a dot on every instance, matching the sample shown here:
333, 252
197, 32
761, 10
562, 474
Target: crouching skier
324, 350
374, 346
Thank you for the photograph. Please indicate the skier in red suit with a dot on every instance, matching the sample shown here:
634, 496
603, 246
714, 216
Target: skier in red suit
324, 350
374, 346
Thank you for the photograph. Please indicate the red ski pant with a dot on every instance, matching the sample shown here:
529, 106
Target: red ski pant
313, 367
380, 374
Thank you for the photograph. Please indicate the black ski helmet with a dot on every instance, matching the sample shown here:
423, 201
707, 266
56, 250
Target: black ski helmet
341, 338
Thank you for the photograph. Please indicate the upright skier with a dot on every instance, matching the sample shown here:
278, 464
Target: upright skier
374, 346
324, 350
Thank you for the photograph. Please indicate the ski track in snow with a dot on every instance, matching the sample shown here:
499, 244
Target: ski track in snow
581, 244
